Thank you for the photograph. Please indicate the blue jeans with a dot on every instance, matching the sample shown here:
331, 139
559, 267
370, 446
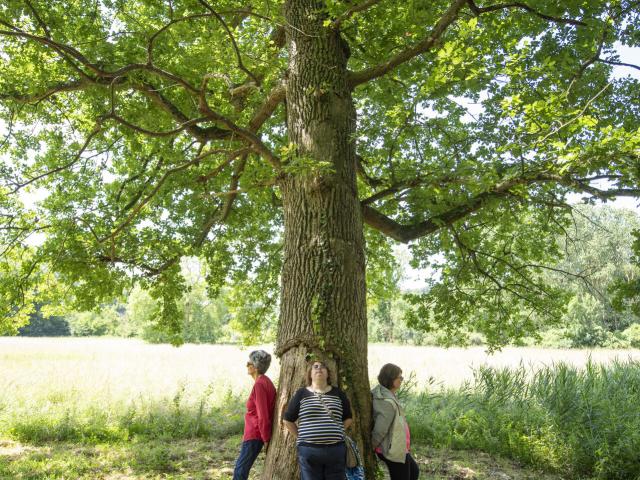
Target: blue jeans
248, 454
322, 462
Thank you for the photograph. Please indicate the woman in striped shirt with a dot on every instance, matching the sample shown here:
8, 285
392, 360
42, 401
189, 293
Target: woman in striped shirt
322, 413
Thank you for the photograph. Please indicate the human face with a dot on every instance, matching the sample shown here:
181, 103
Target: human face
319, 372
251, 369
397, 382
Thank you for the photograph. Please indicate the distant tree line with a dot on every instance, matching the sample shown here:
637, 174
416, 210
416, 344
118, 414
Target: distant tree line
598, 266
224, 319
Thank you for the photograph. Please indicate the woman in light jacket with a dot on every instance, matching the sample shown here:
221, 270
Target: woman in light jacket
391, 437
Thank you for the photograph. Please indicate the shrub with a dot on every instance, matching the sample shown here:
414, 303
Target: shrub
92, 421
632, 335
575, 422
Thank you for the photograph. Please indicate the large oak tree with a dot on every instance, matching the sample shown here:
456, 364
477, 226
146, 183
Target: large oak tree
272, 138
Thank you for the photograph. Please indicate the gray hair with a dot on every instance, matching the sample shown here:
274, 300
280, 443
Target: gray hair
261, 360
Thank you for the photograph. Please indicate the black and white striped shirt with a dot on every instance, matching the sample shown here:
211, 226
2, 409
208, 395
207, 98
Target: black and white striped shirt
314, 423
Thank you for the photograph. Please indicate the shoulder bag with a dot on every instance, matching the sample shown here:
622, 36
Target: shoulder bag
353, 456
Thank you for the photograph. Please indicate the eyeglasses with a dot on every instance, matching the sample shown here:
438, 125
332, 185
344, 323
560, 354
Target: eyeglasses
250, 364
400, 378
319, 366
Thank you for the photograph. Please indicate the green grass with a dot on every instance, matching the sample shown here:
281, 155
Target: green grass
197, 459
579, 423
137, 459
121, 410
65, 419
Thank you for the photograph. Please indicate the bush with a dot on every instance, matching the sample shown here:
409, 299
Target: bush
95, 323
575, 422
174, 417
632, 335
41, 326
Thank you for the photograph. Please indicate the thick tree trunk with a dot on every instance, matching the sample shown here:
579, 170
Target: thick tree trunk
323, 310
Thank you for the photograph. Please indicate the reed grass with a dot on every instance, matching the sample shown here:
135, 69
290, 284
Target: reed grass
581, 422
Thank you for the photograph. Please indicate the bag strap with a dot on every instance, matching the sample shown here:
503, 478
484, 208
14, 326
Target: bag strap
328, 410
396, 405
347, 439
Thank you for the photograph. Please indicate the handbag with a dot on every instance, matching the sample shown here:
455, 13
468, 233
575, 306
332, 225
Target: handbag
355, 473
353, 455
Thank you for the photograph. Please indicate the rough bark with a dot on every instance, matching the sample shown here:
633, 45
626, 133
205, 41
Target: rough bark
323, 311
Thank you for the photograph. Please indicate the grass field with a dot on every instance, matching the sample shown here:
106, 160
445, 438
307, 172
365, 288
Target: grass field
125, 369
121, 409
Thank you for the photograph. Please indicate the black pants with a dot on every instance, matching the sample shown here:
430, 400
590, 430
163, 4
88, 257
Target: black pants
322, 462
402, 471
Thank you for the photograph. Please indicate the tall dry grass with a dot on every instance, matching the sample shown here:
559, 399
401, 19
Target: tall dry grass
579, 422
95, 390
125, 369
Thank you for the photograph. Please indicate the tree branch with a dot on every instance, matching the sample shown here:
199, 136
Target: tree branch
153, 37
353, 10
406, 233
38, 97
75, 159
605, 194
362, 173
152, 133
414, 182
133, 199
473, 255
576, 117
247, 135
42, 24
202, 134
274, 98
119, 76
502, 6
66, 50
233, 187
150, 270
618, 64
216, 171
233, 42
357, 78
148, 198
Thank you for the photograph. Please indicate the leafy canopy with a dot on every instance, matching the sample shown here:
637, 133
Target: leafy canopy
157, 130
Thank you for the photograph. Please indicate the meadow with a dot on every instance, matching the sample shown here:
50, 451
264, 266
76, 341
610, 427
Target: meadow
122, 409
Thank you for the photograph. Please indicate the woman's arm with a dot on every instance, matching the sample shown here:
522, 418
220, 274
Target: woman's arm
264, 397
290, 416
292, 427
347, 416
382, 419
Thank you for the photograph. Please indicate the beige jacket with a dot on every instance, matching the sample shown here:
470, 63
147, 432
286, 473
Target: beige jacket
389, 425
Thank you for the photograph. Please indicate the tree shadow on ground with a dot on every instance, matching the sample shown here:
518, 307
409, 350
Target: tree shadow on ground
201, 459
138, 459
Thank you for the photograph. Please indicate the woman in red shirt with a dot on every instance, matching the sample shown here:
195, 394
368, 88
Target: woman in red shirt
259, 416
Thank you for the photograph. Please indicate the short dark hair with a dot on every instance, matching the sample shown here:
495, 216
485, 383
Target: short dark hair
388, 373
310, 367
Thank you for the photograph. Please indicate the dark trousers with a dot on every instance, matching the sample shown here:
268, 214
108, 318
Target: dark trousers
402, 471
248, 454
322, 462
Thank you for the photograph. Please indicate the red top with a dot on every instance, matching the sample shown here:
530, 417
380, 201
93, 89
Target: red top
260, 406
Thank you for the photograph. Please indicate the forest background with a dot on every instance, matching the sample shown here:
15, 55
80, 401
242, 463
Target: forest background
598, 253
